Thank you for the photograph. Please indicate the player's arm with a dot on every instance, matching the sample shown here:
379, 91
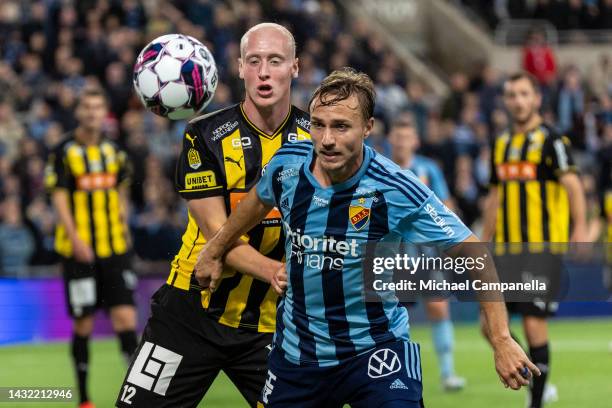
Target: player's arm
124, 179
491, 202
458, 241
56, 182
489, 216
557, 151
249, 212
577, 204
199, 180
210, 215
512, 364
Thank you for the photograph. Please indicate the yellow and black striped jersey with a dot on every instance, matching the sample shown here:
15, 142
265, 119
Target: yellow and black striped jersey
91, 174
533, 205
223, 155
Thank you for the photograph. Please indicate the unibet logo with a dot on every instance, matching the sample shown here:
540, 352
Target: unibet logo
201, 179
441, 222
154, 368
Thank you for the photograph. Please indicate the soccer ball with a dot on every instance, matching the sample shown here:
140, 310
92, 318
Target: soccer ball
175, 76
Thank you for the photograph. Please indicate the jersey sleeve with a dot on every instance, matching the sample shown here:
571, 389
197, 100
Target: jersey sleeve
56, 172
433, 223
267, 187
493, 180
126, 171
197, 172
558, 155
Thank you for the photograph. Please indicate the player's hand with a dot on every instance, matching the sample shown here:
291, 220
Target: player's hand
82, 251
209, 266
512, 365
279, 281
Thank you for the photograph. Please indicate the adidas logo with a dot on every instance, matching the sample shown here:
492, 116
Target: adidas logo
285, 204
398, 385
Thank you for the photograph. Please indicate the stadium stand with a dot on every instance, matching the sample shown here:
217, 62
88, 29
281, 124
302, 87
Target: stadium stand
49, 50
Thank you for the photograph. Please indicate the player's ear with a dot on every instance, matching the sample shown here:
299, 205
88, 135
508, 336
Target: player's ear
295, 68
240, 68
368, 127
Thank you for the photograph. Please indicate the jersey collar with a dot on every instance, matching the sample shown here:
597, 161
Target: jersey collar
261, 132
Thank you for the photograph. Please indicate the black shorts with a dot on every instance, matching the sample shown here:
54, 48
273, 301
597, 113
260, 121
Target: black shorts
535, 309
182, 351
105, 283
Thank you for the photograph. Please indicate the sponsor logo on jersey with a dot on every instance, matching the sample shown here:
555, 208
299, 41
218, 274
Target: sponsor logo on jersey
383, 363
232, 160
320, 201
359, 216
517, 171
154, 368
285, 174
438, 220
285, 204
191, 139
321, 251
201, 179
96, 181
303, 123
223, 130
398, 385
193, 157
243, 142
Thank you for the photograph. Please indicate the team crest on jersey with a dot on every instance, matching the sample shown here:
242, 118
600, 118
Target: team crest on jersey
359, 216
194, 159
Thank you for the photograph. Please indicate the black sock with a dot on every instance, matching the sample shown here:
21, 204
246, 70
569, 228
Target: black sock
539, 357
80, 356
129, 343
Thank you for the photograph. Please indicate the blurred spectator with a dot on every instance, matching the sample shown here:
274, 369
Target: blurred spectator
539, 59
11, 131
50, 49
453, 105
16, 242
600, 77
570, 106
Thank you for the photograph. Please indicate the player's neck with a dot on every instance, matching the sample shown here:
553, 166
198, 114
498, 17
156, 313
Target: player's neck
87, 137
268, 118
527, 126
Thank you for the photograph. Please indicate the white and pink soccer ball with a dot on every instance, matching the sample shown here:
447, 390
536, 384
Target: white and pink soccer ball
175, 76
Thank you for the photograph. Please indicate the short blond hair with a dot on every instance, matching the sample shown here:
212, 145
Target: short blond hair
282, 29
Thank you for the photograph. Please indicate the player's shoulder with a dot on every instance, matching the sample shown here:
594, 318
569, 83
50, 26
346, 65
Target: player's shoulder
66, 142
214, 125
397, 185
301, 118
293, 152
552, 133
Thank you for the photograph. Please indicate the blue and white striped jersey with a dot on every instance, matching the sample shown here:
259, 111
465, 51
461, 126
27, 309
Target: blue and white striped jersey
323, 319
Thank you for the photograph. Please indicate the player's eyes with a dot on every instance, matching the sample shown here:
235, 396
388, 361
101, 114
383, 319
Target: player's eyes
275, 61
342, 127
316, 125
253, 61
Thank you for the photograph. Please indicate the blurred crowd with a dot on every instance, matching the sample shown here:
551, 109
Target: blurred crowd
563, 14
50, 49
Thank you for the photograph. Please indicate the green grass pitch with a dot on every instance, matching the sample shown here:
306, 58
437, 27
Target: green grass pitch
581, 368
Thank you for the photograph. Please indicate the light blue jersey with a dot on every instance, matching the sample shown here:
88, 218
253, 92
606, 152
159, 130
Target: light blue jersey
323, 319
